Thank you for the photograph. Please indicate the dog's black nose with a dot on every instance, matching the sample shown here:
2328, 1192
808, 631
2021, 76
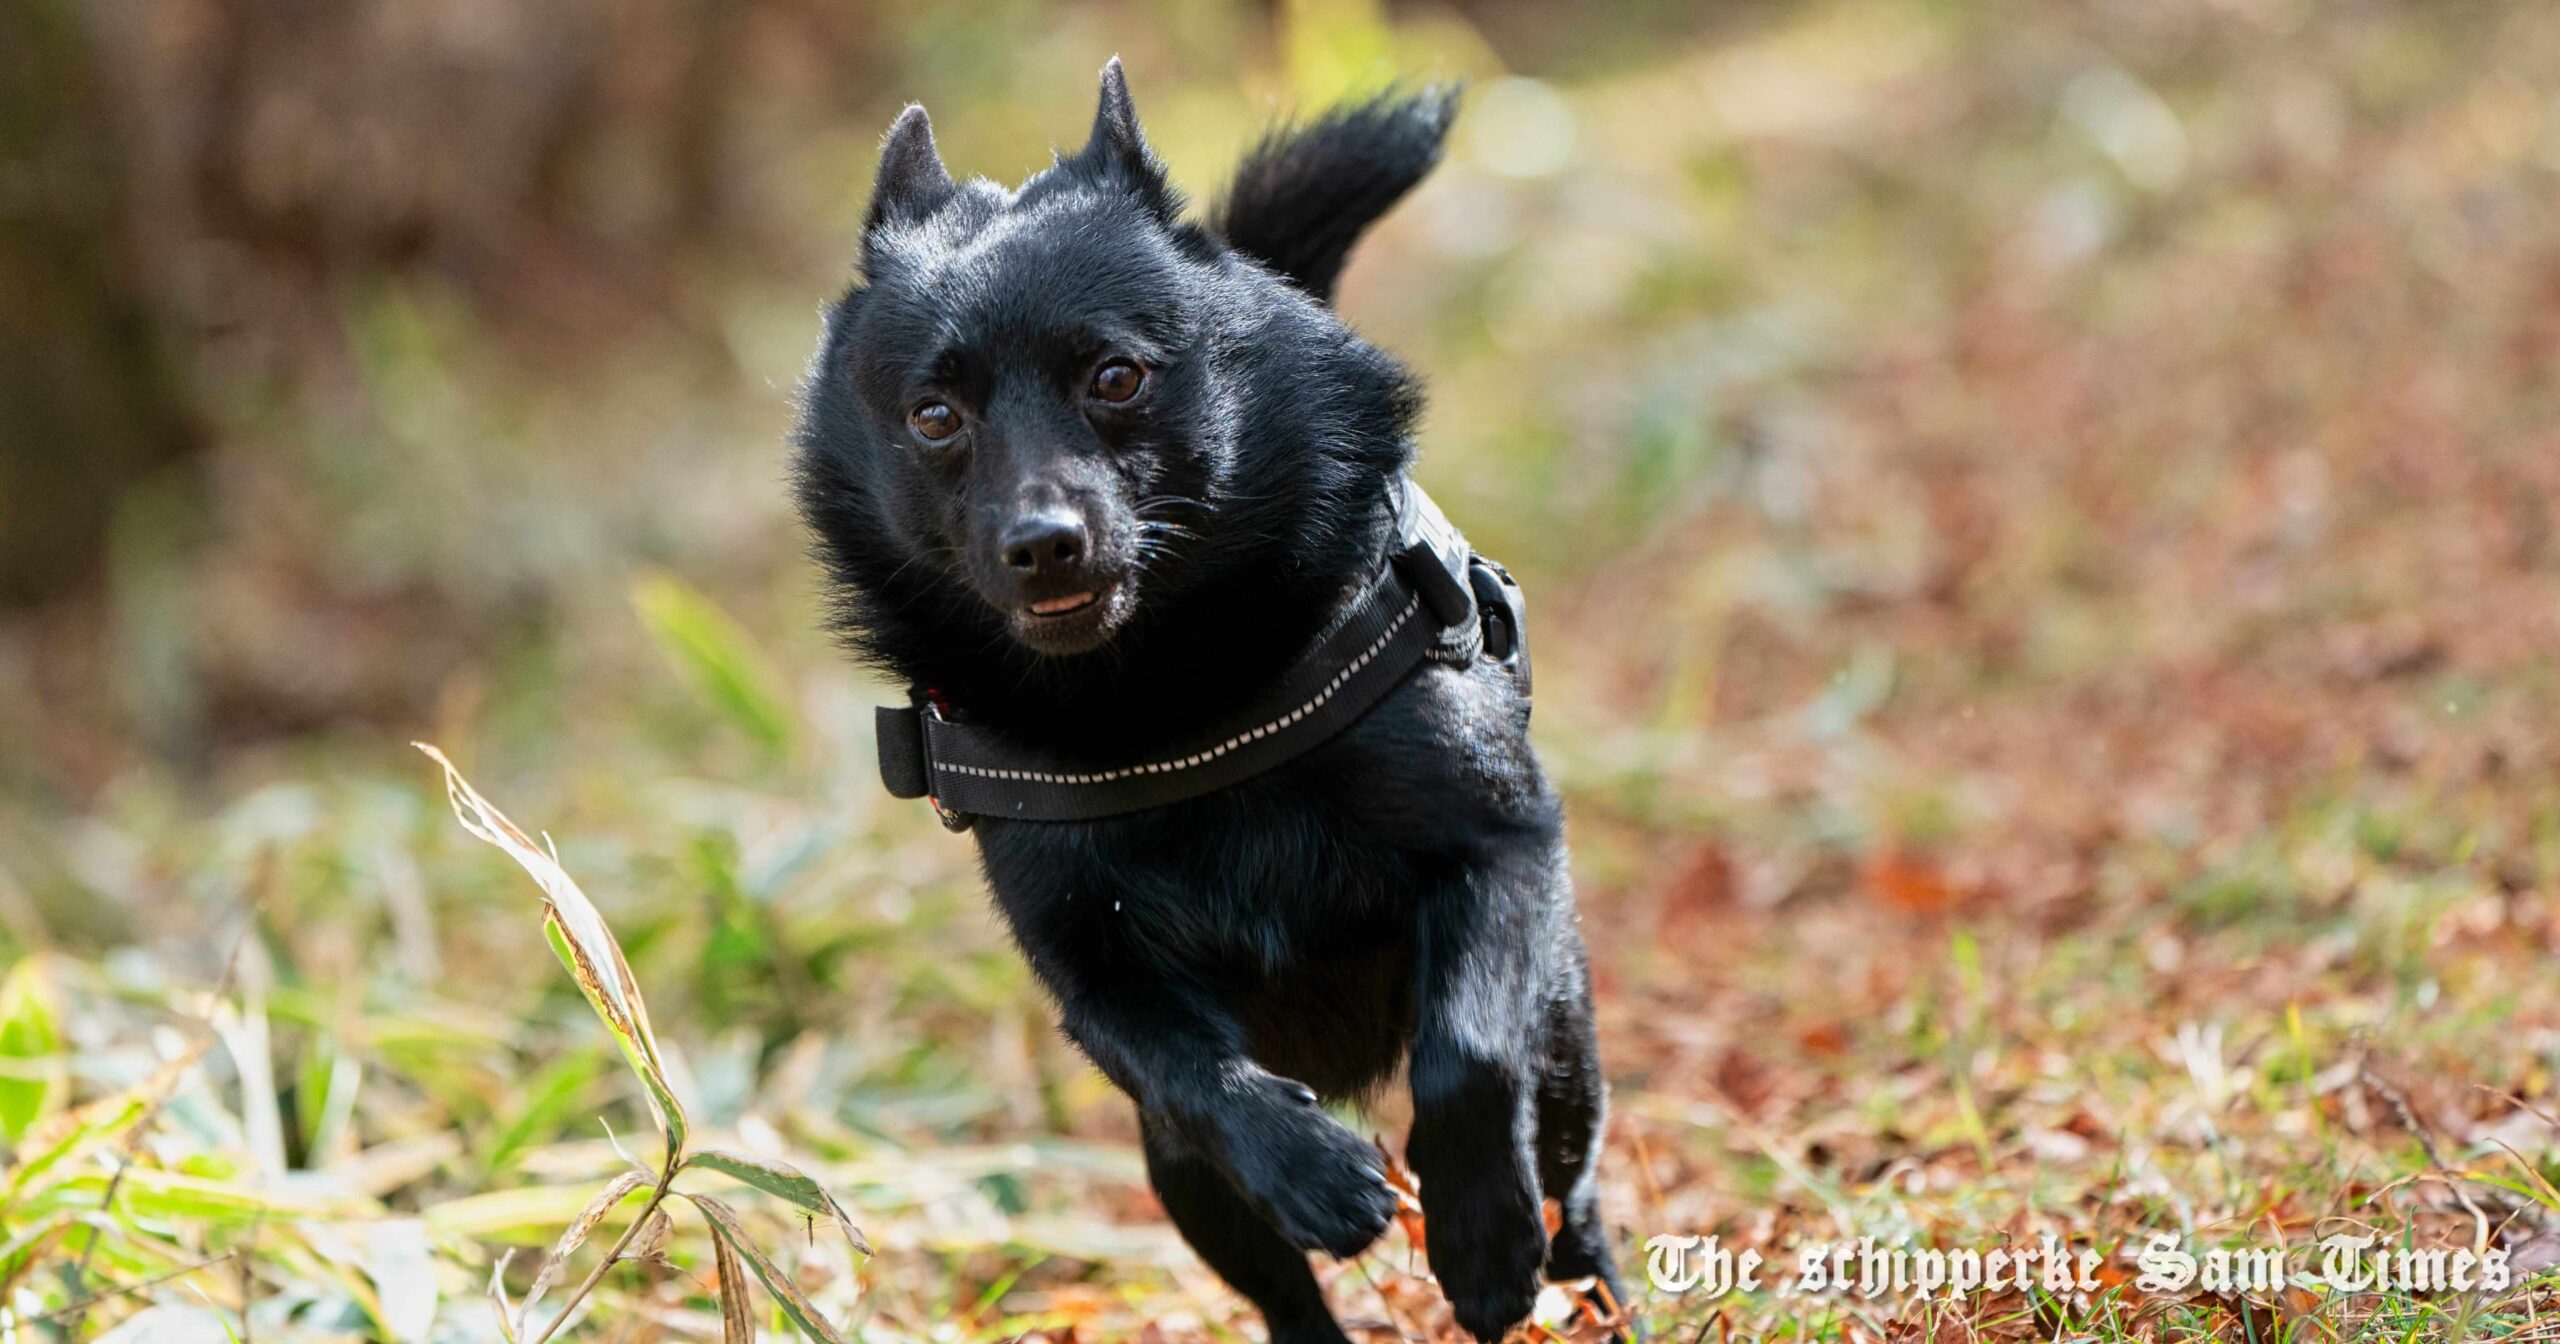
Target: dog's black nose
1044, 542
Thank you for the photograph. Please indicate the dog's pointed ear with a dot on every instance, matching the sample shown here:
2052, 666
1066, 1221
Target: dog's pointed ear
1117, 149
912, 182
1306, 193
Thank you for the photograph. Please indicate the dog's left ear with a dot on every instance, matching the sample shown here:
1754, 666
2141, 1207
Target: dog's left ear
1118, 152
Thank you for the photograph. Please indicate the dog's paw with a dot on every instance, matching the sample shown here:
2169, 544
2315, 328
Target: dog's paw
1487, 1247
1320, 1184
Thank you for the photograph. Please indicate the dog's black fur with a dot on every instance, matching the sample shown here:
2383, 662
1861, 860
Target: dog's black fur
1231, 961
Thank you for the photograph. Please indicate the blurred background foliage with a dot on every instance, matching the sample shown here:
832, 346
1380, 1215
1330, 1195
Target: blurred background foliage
2039, 521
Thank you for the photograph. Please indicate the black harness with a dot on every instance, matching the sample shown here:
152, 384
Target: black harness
1431, 599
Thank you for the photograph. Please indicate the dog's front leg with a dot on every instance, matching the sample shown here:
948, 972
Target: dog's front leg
1182, 1059
1483, 969
1237, 1240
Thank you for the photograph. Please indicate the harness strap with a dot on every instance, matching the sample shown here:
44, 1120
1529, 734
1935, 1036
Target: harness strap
1423, 604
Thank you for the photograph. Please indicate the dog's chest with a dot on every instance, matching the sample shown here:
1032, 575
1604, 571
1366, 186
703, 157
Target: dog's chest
1261, 879
1326, 853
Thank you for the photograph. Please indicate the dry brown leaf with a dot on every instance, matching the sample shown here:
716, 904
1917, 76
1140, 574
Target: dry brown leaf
1824, 1040
1909, 883
737, 1315
1408, 1191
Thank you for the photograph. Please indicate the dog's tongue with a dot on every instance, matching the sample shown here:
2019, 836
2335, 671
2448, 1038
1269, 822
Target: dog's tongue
1060, 605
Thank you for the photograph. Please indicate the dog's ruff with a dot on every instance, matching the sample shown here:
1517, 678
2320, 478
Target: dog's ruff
1432, 598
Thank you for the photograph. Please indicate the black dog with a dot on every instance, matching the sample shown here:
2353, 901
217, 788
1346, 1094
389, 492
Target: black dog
1095, 476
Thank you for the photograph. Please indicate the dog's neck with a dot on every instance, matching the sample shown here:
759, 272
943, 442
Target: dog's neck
1195, 659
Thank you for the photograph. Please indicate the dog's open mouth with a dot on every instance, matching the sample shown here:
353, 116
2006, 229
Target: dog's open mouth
1071, 622
1063, 606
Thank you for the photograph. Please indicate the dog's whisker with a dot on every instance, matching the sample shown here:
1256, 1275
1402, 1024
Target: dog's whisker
1179, 501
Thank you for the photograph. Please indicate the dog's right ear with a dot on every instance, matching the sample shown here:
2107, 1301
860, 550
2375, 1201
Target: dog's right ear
912, 182
1306, 193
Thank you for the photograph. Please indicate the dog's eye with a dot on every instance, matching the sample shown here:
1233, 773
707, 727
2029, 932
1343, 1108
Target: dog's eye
934, 421
1118, 381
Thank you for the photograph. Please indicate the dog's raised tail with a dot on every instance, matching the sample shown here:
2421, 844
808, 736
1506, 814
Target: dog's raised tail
1305, 194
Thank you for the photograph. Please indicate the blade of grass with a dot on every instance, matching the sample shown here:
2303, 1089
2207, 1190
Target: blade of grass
580, 938
784, 1182
53, 1141
717, 656
30, 1037
795, 1304
575, 1235
498, 1296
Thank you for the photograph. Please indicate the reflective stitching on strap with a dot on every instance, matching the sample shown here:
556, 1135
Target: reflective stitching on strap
1365, 657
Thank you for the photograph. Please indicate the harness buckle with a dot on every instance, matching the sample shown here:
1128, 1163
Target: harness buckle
1432, 556
1442, 594
954, 822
